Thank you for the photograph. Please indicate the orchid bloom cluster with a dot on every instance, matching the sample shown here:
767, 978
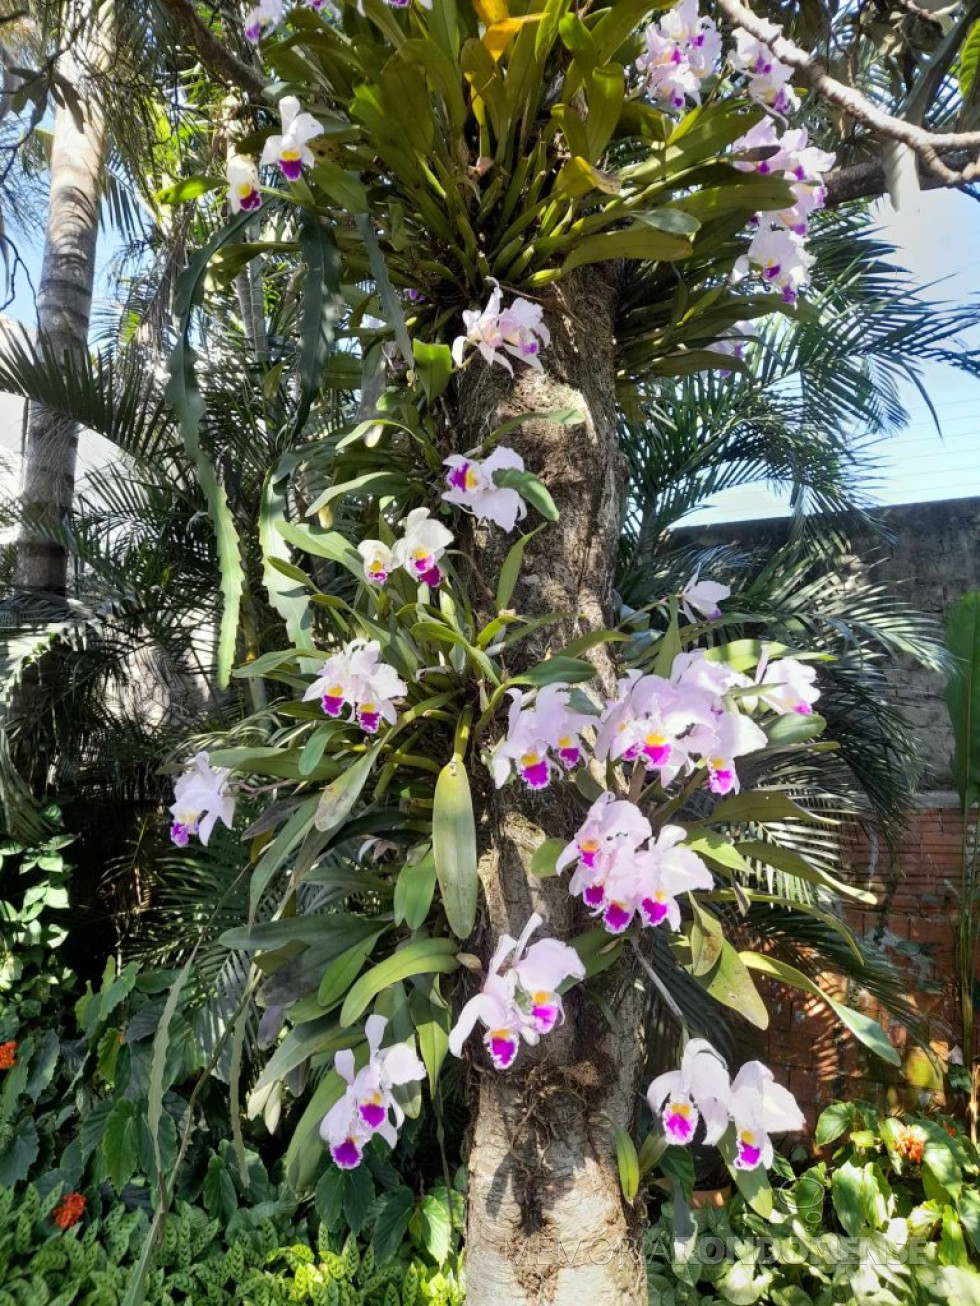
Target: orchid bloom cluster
288, 148
701, 1091
496, 332
672, 725
541, 731
471, 486
622, 871
777, 248
519, 1000
202, 797
368, 1105
423, 542
356, 678
680, 52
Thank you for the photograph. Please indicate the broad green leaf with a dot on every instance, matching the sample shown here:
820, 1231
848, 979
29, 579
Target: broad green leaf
432, 1018
391, 1222
413, 891
423, 957
835, 1120
963, 696
338, 799
762, 805
719, 849
544, 858
859, 1194
344, 188
640, 241
556, 670
794, 728
454, 847
310, 1038
119, 1143
320, 307
529, 487
707, 940
322, 544
184, 395
344, 970
607, 87
628, 1164
434, 365
969, 61
158, 1062
511, 569
291, 602
188, 188
437, 1227
305, 1151
730, 983
866, 1030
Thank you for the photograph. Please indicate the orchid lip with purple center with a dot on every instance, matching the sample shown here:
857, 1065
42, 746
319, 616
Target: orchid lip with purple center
720, 781
369, 721
545, 1016
536, 775
180, 834
432, 577
503, 1050
748, 1155
372, 1113
347, 1154
616, 918
457, 477
804, 709
254, 33
292, 169
656, 754
594, 895
653, 911
333, 704
252, 201
587, 855
679, 1126
570, 756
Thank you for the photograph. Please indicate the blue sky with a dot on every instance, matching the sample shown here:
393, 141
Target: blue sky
938, 240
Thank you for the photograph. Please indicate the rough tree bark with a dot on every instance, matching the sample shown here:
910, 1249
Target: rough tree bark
65, 294
546, 1219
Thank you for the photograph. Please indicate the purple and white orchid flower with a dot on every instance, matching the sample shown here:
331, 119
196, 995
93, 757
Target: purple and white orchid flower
703, 596
699, 1090
356, 678
680, 51
378, 561
263, 16
769, 79
729, 736
537, 734
759, 1106
519, 1000
290, 149
787, 685
496, 331
369, 1106
202, 797
423, 542
243, 185
471, 487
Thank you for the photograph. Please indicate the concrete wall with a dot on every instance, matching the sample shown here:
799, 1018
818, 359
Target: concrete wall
932, 559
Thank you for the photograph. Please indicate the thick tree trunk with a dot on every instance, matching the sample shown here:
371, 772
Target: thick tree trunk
546, 1219
65, 294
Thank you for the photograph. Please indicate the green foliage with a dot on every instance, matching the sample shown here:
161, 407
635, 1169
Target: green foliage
221, 1255
892, 1218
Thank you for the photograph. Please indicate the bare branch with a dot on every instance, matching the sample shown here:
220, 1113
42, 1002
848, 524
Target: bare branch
220, 62
930, 146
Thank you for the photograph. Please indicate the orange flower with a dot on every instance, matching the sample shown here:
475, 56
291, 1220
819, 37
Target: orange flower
910, 1144
69, 1210
8, 1055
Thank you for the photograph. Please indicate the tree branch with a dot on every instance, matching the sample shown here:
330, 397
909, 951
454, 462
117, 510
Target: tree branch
220, 62
928, 145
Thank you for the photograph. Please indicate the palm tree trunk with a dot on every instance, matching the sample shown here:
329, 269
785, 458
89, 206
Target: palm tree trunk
546, 1220
65, 293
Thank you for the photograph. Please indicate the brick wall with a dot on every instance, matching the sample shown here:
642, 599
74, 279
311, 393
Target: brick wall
916, 917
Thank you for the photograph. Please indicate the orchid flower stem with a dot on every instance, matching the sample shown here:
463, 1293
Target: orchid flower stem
662, 990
